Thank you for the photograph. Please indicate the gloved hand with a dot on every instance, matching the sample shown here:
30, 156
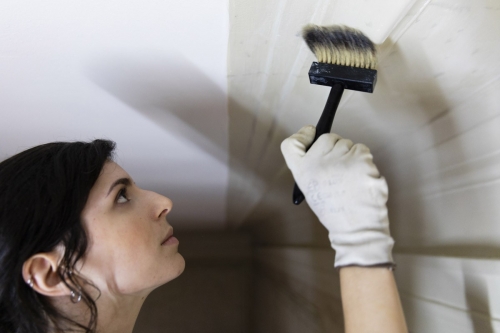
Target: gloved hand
346, 192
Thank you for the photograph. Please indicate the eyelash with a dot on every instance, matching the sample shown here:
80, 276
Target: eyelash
122, 193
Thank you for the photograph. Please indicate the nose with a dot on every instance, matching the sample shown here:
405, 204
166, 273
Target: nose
161, 205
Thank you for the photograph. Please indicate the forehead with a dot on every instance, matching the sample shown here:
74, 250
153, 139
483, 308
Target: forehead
109, 174
111, 169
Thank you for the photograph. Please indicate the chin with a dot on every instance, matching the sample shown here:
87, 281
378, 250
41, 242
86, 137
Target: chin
176, 267
181, 265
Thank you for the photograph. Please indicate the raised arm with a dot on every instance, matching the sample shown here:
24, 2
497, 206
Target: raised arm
346, 192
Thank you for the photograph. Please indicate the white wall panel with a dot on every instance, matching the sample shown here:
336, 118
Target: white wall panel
446, 294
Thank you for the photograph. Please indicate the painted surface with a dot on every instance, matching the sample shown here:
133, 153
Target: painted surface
432, 125
149, 75
269, 92
376, 19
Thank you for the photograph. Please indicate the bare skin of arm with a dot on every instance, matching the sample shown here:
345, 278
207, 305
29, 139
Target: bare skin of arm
371, 301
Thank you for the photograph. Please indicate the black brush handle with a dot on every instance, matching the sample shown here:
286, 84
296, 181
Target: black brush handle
324, 126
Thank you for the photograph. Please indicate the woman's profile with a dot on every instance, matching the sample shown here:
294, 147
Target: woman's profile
82, 246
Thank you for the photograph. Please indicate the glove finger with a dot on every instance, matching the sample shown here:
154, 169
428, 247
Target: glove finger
360, 149
294, 147
372, 169
362, 153
324, 144
342, 147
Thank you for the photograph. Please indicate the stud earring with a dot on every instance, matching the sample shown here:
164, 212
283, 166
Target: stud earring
30, 282
73, 296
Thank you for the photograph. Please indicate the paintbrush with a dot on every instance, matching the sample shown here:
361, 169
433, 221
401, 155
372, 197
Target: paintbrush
346, 60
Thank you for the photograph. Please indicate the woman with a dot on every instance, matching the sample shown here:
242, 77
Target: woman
81, 246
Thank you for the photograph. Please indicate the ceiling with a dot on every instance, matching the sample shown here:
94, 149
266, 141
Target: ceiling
431, 123
198, 96
150, 75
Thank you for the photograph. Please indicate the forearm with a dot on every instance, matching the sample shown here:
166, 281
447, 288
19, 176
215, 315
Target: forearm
345, 190
370, 300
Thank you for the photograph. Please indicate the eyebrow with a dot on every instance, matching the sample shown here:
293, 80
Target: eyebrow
124, 181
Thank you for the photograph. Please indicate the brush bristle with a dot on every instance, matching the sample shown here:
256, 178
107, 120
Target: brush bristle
340, 45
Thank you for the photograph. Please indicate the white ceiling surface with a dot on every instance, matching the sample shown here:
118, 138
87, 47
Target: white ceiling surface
432, 122
150, 75
270, 94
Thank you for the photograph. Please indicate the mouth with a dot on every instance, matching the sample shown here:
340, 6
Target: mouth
169, 238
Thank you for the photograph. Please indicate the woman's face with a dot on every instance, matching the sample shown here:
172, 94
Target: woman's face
130, 250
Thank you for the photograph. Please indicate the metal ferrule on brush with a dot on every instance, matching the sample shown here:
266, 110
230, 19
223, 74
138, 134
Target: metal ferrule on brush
352, 78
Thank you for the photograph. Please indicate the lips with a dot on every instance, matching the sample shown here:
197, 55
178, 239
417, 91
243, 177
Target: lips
170, 233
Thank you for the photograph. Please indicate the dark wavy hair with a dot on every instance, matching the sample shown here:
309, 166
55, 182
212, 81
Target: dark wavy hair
43, 191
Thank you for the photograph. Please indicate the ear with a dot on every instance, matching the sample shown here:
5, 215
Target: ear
41, 268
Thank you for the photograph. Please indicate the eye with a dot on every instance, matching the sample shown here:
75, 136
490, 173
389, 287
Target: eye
122, 196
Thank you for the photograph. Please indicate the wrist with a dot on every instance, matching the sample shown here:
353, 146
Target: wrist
371, 253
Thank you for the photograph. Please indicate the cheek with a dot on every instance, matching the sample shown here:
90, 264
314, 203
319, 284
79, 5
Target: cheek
120, 243
132, 242
126, 256
133, 233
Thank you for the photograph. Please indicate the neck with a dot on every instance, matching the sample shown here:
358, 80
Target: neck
114, 314
118, 315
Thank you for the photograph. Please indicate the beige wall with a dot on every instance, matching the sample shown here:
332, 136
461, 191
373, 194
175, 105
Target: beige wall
213, 294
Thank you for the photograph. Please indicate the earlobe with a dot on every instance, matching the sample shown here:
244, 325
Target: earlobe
40, 273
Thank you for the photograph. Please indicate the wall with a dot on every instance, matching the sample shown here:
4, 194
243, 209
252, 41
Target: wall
213, 295
432, 125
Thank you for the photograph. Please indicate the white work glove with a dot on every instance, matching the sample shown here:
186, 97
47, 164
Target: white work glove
346, 192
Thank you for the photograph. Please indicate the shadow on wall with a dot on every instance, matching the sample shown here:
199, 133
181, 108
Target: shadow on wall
170, 91
419, 98
296, 288
179, 97
425, 100
296, 291
408, 205
276, 221
424, 164
476, 294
